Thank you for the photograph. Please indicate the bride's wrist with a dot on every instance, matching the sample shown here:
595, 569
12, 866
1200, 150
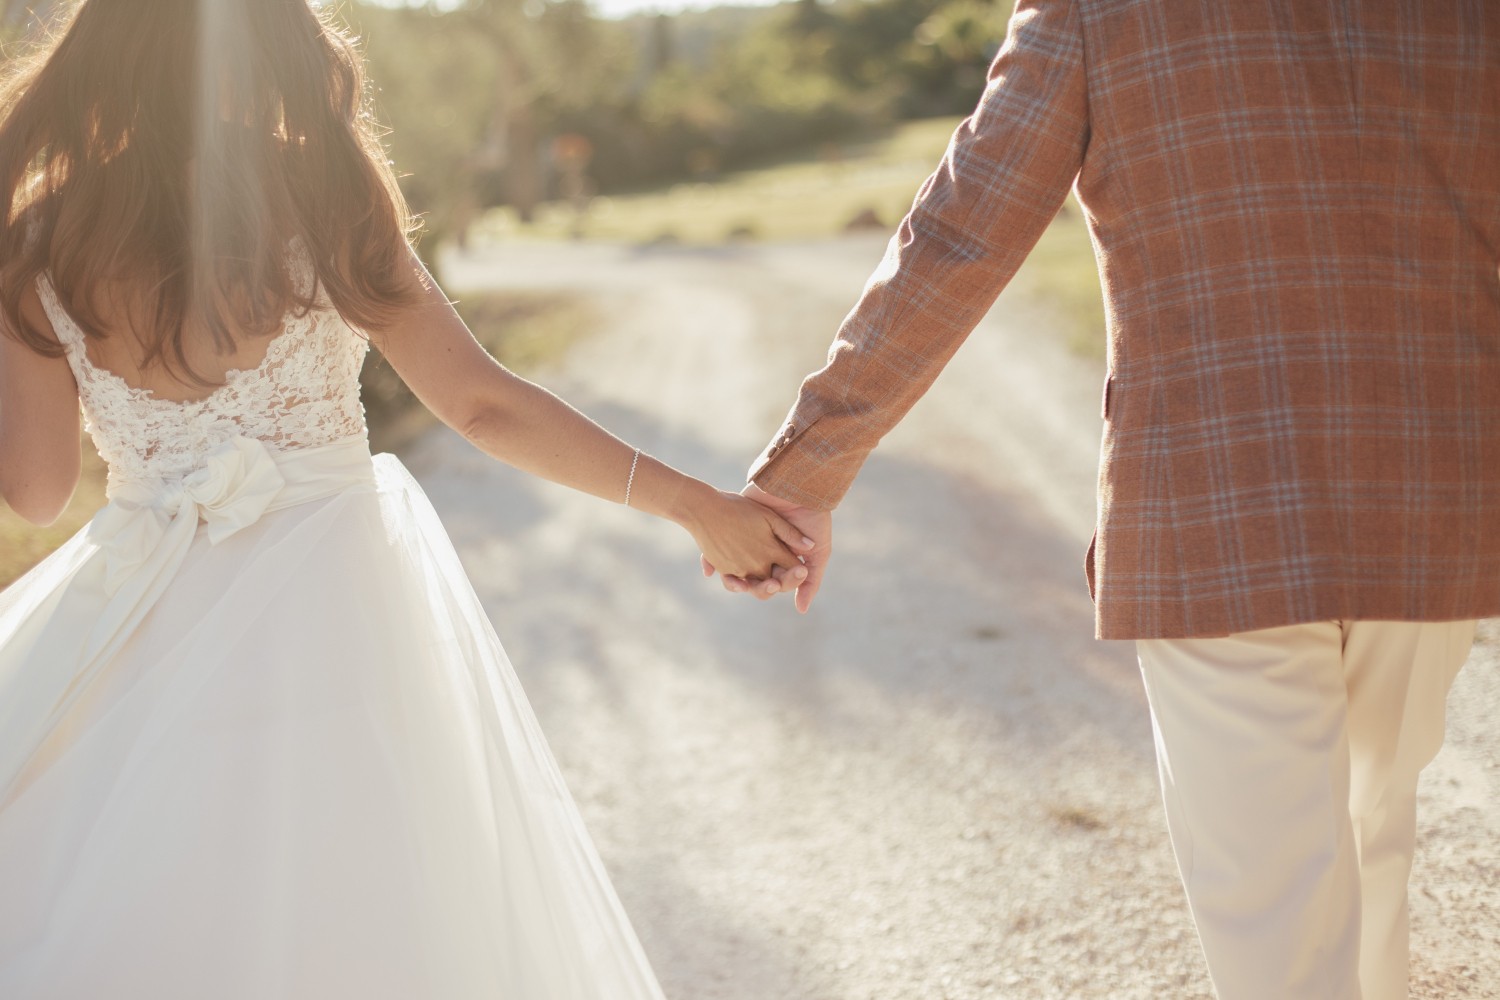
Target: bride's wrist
661, 490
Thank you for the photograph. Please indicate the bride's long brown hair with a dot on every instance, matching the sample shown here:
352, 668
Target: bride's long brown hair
266, 100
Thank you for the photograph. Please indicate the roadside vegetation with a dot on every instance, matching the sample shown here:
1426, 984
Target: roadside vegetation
862, 184
536, 119
519, 102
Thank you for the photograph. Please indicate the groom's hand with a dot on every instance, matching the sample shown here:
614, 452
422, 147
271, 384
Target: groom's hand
815, 524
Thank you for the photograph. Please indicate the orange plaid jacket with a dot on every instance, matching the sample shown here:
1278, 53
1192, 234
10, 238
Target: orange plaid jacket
1295, 206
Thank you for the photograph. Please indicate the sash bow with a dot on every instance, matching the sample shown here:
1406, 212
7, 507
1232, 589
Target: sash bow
231, 490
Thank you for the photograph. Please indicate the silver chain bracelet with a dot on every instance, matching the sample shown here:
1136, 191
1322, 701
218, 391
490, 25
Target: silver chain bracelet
631, 481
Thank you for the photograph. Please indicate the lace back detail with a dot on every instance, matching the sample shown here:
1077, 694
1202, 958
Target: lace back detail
303, 394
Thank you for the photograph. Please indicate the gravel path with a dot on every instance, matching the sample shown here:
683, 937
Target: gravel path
937, 785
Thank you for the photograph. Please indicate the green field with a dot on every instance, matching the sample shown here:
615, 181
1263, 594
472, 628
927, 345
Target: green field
815, 196
22, 545
808, 196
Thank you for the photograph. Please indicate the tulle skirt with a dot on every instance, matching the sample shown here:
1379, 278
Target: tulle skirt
307, 772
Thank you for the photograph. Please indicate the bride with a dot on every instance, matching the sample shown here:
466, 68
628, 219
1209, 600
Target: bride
257, 737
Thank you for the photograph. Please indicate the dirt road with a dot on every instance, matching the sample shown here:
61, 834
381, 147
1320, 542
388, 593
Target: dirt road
937, 785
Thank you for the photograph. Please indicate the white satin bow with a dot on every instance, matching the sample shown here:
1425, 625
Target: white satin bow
142, 539
231, 490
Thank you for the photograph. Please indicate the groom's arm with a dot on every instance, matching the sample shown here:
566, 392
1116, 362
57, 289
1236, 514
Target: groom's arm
1002, 180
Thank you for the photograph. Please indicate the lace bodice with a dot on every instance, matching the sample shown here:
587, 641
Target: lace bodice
303, 394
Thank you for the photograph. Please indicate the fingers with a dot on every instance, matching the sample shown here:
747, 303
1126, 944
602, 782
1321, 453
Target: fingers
790, 535
789, 576
777, 555
816, 564
780, 581
762, 590
785, 567
809, 587
735, 584
748, 541
790, 553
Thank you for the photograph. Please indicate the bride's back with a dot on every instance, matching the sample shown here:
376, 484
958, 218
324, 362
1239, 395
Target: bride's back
159, 160
298, 389
127, 350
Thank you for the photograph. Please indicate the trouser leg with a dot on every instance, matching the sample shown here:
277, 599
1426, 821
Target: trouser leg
1286, 755
1398, 675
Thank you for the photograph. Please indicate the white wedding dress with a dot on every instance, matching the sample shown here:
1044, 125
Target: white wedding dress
257, 736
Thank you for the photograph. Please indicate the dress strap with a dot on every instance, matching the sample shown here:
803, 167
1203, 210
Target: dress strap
64, 327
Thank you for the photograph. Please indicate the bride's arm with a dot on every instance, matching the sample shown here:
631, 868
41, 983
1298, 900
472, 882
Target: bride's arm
526, 426
40, 456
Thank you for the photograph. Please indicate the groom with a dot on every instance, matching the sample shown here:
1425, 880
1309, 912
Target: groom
1296, 211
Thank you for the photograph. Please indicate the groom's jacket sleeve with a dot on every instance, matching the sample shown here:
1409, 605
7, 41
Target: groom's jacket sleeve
1003, 178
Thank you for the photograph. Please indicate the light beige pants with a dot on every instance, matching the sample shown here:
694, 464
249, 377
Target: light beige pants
1289, 761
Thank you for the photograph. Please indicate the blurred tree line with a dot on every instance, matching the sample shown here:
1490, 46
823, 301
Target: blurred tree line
516, 102
521, 101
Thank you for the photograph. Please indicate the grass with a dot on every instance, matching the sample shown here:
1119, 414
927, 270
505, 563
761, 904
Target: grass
809, 196
1061, 280
524, 331
815, 196
23, 545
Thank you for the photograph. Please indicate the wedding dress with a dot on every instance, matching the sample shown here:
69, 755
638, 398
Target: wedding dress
257, 736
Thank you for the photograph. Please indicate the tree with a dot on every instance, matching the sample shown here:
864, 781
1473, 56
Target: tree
944, 65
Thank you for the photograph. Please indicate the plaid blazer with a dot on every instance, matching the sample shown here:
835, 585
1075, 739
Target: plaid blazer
1295, 205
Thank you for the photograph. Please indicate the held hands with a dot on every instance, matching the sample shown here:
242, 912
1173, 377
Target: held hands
750, 541
808, 524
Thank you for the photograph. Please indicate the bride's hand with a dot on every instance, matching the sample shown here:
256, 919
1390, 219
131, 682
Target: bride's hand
739, 537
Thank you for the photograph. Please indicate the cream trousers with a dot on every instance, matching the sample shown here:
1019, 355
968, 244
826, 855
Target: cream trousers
1289, 760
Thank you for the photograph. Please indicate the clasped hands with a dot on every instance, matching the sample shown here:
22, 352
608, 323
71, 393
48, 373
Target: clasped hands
788, 551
